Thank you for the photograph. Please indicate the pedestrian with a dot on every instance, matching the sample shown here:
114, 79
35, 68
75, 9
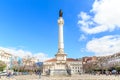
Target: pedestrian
49, 72
9, 74
39, 74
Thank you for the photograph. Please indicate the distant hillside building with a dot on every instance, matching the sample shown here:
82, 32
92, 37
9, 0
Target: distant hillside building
89, 59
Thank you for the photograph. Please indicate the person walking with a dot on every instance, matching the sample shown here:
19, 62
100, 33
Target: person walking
39, 73
9, 74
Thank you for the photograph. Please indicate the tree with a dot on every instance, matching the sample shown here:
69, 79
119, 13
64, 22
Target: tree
90, 67
2, 65
117, 68
27, 62
102, 62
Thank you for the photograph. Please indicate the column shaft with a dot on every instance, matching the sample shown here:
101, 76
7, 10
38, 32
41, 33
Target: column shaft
61, 43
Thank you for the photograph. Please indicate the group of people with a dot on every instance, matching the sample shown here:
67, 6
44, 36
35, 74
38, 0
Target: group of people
113, 72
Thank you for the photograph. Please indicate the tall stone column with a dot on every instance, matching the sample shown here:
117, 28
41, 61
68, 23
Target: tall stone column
60, 35
60, 64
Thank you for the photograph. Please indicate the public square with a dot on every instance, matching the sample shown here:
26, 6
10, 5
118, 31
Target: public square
59, 40
73, 77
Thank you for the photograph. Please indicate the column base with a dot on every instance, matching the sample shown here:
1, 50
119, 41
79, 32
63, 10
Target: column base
60, 50
59, 72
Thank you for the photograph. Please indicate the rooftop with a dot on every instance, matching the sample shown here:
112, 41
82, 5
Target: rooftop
54, 59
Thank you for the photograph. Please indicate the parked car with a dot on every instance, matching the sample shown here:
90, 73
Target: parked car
15, 73
3, 73
25, 73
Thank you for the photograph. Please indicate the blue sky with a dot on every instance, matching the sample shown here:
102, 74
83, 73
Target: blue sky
31, 26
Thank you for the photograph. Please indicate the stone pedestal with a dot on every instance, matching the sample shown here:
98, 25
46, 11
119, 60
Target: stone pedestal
59, 72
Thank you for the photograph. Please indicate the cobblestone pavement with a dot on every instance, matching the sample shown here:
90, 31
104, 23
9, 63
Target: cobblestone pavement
73, 77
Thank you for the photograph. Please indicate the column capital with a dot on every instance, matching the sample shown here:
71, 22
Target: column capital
60, 21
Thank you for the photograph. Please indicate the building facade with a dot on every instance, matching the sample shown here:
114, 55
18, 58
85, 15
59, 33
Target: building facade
5, 57
74, 65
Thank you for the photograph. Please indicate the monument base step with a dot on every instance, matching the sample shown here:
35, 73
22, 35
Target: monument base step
59, 72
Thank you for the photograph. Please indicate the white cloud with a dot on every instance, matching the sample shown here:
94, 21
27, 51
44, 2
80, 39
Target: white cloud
106, 17
23, 53
104, 46
82, 37
16, 52
84, 16
41, 56
82, 50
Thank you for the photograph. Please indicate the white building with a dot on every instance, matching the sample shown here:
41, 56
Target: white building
73, 64
5, 57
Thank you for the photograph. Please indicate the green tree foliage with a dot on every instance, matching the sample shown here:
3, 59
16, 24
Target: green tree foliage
2, 65
117, 68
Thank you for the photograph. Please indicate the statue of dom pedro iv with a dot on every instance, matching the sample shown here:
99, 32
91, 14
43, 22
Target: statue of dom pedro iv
60, 13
